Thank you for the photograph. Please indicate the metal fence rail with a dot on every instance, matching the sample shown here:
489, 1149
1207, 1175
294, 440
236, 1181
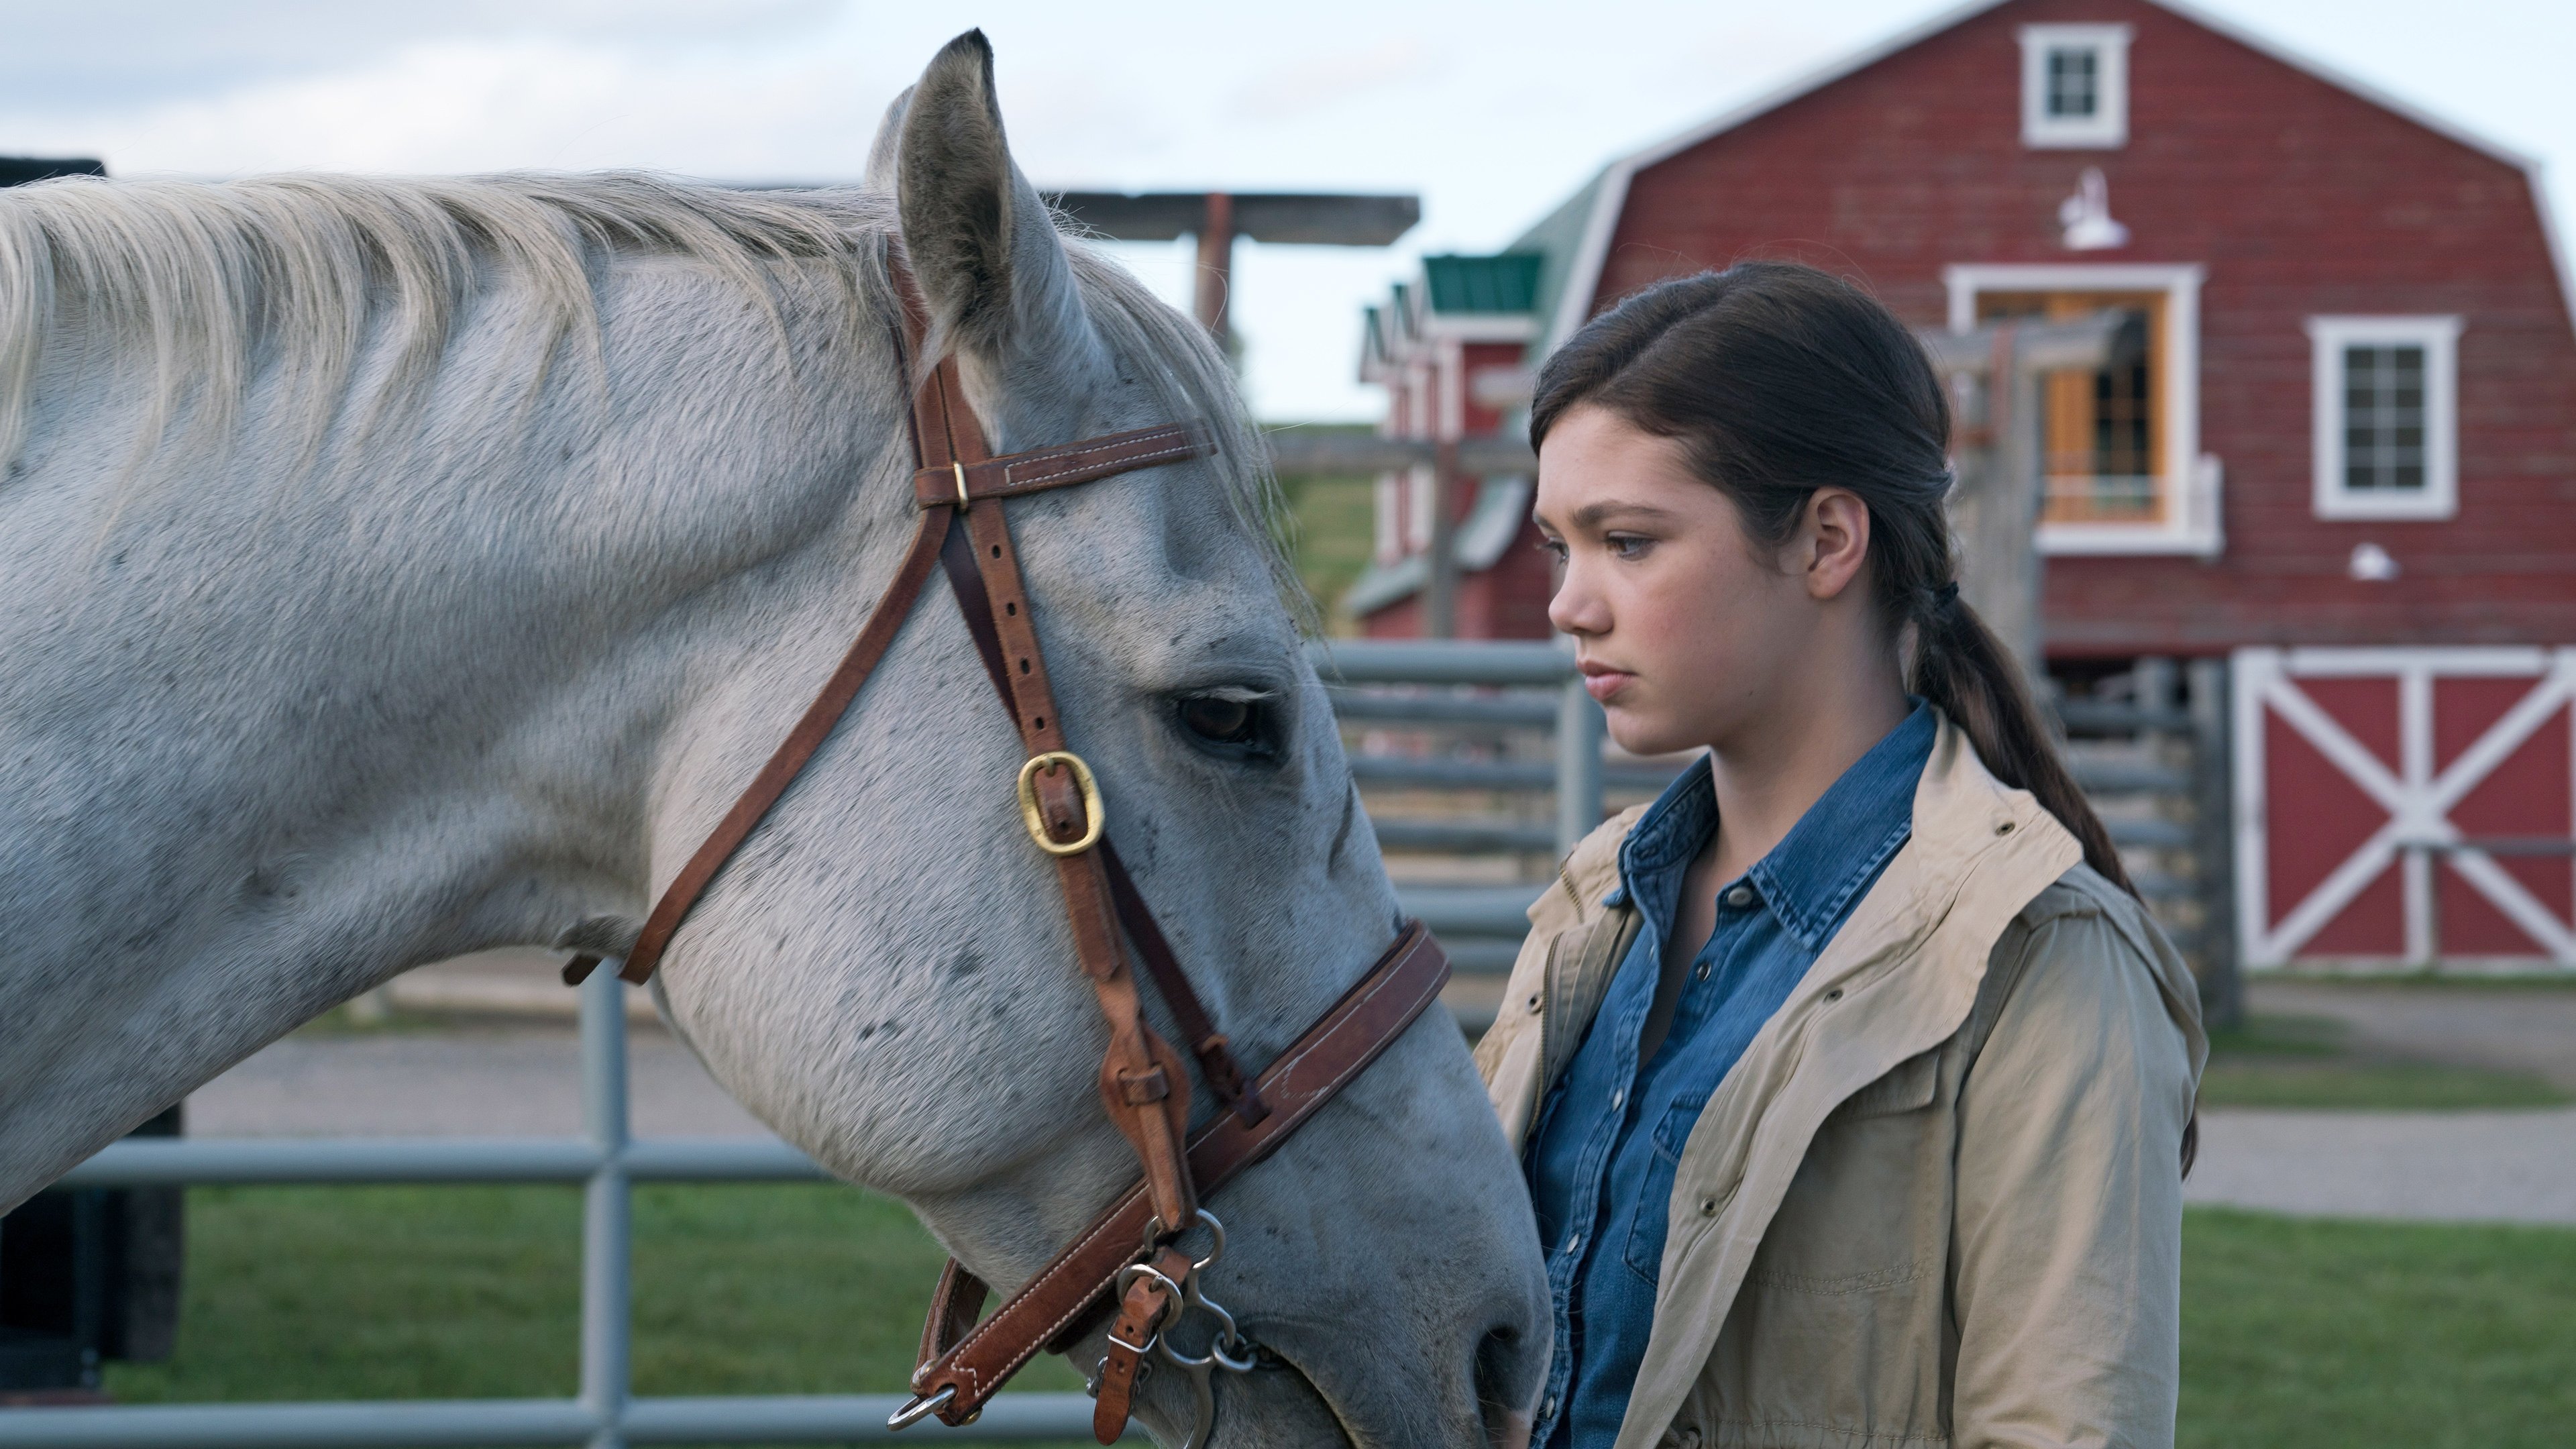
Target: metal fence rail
1576, 776
608, 1160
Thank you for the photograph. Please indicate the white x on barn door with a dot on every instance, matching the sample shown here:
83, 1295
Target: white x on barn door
2355, 768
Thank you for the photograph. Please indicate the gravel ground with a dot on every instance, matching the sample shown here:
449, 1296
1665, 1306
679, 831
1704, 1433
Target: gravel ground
505, 1083
2451, 1166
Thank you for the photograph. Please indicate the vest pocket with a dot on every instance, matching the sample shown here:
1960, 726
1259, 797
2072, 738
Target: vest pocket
1645, 1247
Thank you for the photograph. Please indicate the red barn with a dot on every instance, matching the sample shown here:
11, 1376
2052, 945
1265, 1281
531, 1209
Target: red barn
2337, 440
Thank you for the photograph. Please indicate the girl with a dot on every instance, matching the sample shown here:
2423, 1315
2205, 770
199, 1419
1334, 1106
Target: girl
1852, 1083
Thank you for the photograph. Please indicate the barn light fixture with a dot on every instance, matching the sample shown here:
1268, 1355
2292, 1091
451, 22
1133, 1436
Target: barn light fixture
2372, 565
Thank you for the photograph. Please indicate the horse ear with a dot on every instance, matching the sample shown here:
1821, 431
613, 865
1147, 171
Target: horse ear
979, 237
885, 154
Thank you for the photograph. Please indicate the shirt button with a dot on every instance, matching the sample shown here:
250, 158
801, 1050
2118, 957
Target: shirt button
1740, 897
1573, 1242
1618, 1099
1548, 1409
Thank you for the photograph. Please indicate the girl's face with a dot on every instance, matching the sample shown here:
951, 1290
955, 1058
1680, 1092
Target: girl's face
1689, 632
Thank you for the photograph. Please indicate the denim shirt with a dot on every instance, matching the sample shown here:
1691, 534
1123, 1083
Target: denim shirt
1610, 1134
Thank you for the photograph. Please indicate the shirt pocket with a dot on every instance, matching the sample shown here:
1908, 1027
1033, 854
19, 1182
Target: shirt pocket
1646, 1229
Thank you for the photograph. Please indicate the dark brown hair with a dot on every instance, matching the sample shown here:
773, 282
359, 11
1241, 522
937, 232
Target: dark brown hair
1779, 379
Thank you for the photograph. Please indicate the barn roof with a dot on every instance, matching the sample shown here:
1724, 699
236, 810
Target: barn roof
1575, 237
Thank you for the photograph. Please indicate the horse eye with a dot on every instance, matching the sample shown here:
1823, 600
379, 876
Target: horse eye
1221, 721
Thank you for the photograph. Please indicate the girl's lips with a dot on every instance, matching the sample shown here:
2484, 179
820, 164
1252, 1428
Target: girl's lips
1601, 682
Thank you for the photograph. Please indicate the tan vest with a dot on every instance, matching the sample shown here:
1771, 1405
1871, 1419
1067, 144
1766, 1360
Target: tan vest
1938, 1199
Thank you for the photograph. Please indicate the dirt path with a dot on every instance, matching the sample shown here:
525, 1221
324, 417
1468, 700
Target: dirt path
2510, 1028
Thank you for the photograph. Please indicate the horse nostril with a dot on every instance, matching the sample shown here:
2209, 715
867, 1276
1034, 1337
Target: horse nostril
1499, 1390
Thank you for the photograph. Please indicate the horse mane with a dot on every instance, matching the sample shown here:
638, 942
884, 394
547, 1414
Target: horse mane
219, 281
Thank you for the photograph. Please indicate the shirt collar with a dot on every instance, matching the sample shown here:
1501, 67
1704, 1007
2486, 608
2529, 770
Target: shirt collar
1811, 878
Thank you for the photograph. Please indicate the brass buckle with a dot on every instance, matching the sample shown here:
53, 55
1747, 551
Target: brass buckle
1035, 818
959, 469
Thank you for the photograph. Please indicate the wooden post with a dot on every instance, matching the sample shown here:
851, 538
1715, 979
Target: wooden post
1440, 590
1216, 268
2000, 571
2213, 846
1996, 507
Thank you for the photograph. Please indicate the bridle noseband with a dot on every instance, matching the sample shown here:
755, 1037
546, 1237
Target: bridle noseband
1131, 1249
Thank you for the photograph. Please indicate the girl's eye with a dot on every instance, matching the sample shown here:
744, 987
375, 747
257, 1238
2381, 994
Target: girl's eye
1628, 545
1221, 721
1553, 547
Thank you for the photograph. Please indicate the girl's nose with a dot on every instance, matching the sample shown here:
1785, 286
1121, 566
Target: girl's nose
1577, 608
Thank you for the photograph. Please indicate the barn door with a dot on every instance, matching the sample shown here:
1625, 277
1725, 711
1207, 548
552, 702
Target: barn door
2401, 807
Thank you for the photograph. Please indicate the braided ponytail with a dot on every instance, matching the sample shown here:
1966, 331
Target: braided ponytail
1778, 379
1962, 667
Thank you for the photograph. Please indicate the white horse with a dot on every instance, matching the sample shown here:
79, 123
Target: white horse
396, 569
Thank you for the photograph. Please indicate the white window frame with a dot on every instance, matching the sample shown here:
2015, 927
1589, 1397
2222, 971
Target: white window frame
2192, 523
2107, 129
2440, 339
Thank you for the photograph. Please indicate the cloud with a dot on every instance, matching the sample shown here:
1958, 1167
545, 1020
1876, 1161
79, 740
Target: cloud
1317, 82
484, 106
100, 55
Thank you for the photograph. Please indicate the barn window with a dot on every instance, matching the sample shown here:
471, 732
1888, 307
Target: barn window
2386, 435
2074, 82
2075, 86
2122, 470
2105, 449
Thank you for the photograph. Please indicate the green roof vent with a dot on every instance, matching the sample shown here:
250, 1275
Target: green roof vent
1504, 283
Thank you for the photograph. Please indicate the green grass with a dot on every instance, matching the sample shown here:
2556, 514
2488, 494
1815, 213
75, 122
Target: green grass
2308, 1334
1334, 522
408, 1292
2338, 1335
2305, 1061
1336, 530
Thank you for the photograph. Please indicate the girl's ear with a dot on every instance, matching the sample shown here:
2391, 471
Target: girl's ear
1832, 542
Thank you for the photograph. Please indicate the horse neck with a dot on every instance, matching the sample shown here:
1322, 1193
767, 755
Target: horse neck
266, 744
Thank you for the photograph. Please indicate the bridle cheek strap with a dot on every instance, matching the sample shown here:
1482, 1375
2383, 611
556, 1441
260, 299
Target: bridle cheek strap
1144, 1086
1060, 1302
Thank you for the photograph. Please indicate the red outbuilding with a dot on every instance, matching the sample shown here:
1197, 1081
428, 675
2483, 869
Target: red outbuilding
2336, 441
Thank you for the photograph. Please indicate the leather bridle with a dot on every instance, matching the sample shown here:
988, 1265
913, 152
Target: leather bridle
1130, 1251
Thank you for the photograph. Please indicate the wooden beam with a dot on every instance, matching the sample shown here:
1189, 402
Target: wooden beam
1301, 454
1294, 218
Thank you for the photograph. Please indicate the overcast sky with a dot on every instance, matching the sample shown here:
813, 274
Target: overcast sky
1491, 111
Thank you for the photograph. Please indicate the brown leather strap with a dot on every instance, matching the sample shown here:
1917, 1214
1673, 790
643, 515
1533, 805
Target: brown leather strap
1223, 1073
1215, 1057
1143, 1086
1338, 1047
1144, 1310
884, 622
938, 485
